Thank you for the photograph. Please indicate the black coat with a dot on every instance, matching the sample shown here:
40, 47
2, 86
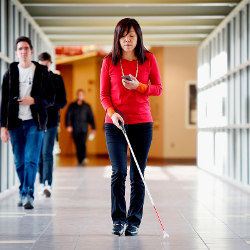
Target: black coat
79, 116
60, 100
42, 91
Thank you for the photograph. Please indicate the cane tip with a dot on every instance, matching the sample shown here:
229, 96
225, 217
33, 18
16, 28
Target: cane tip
165, 235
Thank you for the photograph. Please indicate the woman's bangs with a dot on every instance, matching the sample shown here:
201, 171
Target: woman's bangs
125, 26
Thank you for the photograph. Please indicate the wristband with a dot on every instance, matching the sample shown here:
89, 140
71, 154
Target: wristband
110, 111
142, 88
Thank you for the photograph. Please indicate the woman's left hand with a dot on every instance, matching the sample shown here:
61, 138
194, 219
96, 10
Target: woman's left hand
130, 84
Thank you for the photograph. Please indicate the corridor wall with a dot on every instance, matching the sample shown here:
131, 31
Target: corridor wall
224, 98
14, 22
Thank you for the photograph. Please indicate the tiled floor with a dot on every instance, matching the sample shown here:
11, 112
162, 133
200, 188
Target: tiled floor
199, 210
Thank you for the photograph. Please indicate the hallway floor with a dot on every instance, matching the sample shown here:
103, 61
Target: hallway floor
199, 210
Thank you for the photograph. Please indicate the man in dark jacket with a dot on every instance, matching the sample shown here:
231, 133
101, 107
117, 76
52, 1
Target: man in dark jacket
26, 95
79, 115
46, 158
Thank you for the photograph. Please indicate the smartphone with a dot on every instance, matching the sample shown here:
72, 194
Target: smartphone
128, 78
16, 98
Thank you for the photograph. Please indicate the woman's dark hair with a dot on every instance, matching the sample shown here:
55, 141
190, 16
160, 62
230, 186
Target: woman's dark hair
44, 57
23, 39
140, 50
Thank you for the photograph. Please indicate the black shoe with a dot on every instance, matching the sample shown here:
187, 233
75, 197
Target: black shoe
28, 202
118, 229
131, 230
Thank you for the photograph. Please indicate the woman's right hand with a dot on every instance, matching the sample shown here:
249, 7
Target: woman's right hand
115, 119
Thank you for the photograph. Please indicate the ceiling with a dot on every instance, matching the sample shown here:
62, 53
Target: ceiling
166, 23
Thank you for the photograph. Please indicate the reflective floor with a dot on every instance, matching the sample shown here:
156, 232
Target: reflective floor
199, 210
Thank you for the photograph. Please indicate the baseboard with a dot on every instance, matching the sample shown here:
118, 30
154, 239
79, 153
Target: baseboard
173, 161
226, 179
152, 160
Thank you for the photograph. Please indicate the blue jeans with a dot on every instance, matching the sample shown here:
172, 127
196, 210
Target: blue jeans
140, 136
46, 157
26, 143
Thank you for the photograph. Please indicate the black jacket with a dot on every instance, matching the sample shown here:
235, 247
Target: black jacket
60, 100
42, 91
79, 116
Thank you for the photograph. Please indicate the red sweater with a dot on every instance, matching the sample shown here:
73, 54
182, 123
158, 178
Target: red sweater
134, 106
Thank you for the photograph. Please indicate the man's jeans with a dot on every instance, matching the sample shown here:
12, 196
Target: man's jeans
26, 143
46, 157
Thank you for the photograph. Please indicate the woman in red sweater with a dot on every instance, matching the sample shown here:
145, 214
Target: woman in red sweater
128, 102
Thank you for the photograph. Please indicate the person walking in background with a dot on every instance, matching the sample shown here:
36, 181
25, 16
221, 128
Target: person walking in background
46, 156
79, 115
124, 92
26, 95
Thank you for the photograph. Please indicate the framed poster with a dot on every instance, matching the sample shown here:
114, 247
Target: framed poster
191, 104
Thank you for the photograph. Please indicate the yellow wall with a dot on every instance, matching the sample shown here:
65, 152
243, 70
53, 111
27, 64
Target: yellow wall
180, 65
157, 110
171, 138
65, 139
86, 75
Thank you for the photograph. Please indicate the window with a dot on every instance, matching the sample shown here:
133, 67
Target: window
13, 23
224, 99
